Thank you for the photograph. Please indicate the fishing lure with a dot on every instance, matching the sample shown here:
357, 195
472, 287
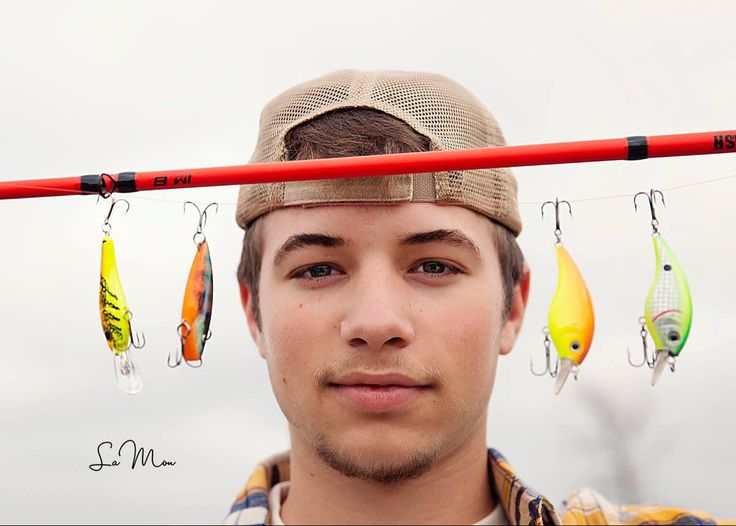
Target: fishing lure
668, 309
571, 319
116, 316
196, 312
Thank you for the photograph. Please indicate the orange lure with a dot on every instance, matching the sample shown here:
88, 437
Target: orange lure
196, 311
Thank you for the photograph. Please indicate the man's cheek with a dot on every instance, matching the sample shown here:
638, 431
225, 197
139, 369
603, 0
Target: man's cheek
468, 357
283, 374
289, 392
281, 364
289, 347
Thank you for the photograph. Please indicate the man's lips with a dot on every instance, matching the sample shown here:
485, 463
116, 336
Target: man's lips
384, 379
377, 398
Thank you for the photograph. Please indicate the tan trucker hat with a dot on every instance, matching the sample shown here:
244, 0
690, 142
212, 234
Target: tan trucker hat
433, 105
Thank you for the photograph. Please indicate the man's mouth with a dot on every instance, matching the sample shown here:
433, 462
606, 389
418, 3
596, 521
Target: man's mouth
378, 398
378, 380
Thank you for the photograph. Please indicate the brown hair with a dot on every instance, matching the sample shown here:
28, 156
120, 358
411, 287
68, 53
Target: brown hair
363, 131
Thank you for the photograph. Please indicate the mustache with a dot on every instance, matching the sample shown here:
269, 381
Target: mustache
395, 363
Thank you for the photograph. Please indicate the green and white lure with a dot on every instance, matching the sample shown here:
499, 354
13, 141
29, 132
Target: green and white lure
668, 310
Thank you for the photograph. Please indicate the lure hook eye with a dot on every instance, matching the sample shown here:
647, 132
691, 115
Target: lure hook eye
557, 203
652, 197
183, 330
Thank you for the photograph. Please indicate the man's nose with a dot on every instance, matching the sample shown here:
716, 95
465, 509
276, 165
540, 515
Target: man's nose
378, 311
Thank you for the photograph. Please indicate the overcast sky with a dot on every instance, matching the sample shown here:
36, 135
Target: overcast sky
90, 87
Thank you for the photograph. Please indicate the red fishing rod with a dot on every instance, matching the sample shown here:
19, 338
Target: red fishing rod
628, 148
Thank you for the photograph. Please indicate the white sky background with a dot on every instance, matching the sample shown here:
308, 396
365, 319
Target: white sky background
87, 87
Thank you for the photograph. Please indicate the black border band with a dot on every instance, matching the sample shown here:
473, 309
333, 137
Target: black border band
125, 182
638, 147
90, 184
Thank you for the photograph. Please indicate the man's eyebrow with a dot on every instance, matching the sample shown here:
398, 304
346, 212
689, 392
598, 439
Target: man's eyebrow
298, 241
450, 237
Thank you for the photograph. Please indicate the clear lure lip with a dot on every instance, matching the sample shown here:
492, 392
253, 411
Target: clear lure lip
378, 379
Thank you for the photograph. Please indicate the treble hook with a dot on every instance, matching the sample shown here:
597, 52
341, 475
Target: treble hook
202, 220
106, 226
136, 341
646, 360
556, 203
652, 196
547, 368
177, 361
182, 336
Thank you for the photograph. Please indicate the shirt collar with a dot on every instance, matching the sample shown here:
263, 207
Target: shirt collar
521, 503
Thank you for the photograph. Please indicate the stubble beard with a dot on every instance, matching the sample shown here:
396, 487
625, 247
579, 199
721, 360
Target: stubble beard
408, 464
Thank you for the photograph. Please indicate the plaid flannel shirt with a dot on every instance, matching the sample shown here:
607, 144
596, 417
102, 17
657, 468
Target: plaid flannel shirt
521, 503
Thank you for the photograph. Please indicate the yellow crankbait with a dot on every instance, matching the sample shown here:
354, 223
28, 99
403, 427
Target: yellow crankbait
116, 316
571, 319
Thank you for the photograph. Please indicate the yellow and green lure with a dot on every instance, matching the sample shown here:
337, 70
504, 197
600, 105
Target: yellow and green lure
668, 309
116, 316
196, 311
571, 319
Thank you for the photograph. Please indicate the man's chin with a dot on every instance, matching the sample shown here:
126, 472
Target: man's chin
381, 460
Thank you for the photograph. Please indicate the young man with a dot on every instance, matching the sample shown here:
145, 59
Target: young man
381, 306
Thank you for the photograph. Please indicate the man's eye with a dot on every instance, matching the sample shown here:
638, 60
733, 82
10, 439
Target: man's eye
435, 269
315, 272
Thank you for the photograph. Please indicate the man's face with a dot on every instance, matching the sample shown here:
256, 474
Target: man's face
382, 300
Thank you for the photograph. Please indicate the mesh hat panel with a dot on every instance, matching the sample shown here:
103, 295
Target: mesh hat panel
433, 105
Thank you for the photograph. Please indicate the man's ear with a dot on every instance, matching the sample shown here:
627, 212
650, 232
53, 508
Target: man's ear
246, 299
512, 325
